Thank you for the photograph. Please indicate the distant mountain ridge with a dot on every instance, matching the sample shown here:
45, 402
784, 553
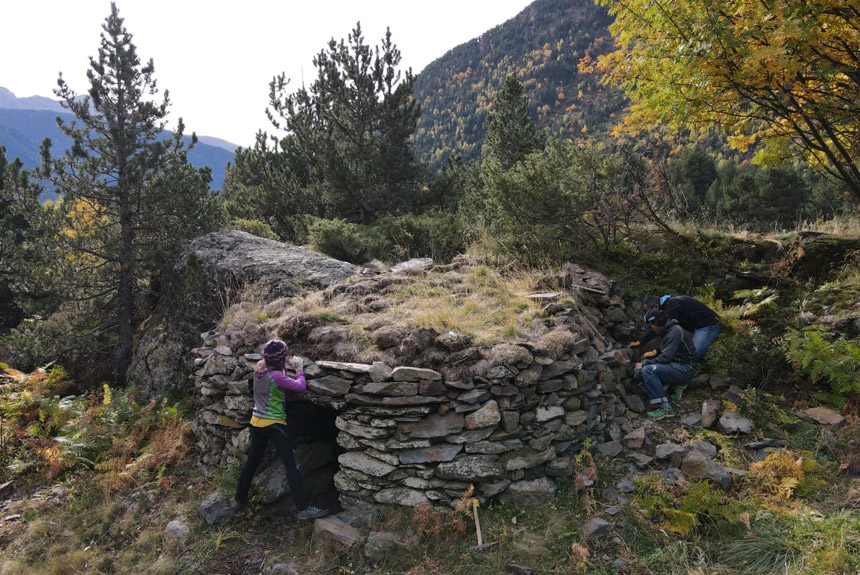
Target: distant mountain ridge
26, 122
9, 101
542, 45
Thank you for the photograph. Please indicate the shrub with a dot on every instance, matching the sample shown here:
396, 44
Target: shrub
568, 202
345, 241
746, 350
824, 357
254, 227
435, 234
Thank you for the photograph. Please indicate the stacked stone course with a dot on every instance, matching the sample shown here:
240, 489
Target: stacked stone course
509, 423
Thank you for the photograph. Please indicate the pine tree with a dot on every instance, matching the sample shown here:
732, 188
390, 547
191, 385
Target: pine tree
22, 225
511, 131
129, 195
353, 126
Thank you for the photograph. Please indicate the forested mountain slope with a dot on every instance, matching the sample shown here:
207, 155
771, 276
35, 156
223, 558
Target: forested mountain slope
543, 46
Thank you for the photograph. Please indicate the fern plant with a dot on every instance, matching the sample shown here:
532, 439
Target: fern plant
824, 357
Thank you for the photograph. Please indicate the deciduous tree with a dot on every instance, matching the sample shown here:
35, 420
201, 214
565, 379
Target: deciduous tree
784, 73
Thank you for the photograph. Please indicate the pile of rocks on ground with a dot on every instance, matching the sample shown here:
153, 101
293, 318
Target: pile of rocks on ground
650, 447
505, 418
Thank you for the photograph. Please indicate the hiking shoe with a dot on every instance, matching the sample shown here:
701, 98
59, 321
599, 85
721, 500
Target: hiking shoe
678, 392
661, 412
311, 512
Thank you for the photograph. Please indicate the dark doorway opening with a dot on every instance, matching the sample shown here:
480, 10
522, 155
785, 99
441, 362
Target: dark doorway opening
314, 432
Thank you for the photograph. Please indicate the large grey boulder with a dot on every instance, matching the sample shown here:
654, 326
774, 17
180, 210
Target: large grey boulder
208, 275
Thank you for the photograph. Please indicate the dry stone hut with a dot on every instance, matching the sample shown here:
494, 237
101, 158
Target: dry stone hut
431, 413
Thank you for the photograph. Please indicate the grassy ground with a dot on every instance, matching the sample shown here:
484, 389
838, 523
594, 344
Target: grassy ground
796, 513
95, 482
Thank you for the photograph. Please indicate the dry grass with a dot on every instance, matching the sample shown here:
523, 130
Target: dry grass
845, 226
486, 306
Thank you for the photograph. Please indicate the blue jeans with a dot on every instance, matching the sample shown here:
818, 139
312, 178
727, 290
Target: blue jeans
703, 337
657, 375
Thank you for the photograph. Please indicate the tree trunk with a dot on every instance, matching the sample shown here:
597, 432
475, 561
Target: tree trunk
125, 299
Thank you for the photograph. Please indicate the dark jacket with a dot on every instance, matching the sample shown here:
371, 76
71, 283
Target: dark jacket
676, 346
690, 313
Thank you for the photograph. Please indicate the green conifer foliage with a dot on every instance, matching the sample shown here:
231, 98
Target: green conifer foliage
129, 195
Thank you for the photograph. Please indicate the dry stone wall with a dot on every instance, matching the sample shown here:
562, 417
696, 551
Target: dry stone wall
509, 423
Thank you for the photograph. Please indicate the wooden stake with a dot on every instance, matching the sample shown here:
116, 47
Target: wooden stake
477, 525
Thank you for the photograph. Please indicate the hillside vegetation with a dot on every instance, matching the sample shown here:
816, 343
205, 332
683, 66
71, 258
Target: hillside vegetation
519, 154
110, 481
542, 47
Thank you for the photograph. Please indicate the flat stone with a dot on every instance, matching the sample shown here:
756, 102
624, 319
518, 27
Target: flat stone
641, 460
823, 416
558, 368
359, 430
404, 373
634, 403
668, 450
379, 544
435, 453
697, 465
720, 382
391, 388
559, 467
400, 496
734, 422
510, 420
734, 394
492, 488
366, 464
615, 358
526, 458
691, 419
575, 418
610, 448
764, 443
342, 366
493, 447
281, 569
544, 414
635, 439
530, 492
433, 426
596, 528
333, 529
474, 396
412, 266
473, 468
470, 436
706, 447
379, 371
426, 387
486, 416
330, 385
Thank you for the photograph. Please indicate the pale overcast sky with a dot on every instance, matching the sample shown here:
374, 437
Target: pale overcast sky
217, 58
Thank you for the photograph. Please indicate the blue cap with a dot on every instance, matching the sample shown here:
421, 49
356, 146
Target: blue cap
663, 299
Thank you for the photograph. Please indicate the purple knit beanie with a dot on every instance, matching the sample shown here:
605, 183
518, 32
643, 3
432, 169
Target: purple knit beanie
275, 352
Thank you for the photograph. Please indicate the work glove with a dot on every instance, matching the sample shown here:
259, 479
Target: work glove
651, 353
634, 344
297, 363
